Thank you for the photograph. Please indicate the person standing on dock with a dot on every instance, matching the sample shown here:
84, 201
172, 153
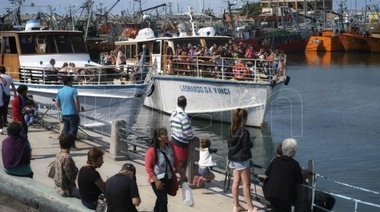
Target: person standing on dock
68, 101
9, 84
284, 173
182, 132
18, 103
239, 155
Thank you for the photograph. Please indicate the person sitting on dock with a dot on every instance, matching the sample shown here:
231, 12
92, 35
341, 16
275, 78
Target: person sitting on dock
205, 163
16, 152
121, 190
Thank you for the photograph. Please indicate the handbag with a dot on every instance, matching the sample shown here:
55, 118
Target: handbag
173, 188
50, 170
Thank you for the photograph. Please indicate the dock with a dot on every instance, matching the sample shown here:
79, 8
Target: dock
40, 194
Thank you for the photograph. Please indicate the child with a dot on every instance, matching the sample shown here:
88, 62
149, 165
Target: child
29, 112
205, 162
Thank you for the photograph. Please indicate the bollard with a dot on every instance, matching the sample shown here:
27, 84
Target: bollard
192, 168
117, 145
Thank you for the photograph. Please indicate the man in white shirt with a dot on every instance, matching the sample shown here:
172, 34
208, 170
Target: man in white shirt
7, 90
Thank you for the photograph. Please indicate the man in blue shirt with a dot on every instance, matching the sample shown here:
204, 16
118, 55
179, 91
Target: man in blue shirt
68, 101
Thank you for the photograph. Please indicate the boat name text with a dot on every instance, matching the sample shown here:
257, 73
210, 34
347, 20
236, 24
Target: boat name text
205, 89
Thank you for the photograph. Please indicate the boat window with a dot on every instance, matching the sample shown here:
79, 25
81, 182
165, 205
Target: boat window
63, 43
50, 45
78, 44
218, 41
10, 45
133, 51
27, 44
156, 48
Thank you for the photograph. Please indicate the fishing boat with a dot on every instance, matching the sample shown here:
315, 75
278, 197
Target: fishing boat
326, 42
354, 42
213, 85
373, 40
26, 56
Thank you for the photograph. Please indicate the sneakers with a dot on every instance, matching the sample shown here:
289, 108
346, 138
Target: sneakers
74, 148
1, 131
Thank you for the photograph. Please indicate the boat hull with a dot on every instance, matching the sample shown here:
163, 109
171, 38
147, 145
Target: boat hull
374, 42
211, 98
100, 105
324, 44
354, 42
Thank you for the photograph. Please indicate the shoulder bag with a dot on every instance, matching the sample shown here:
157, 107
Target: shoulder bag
174, 182
50, 170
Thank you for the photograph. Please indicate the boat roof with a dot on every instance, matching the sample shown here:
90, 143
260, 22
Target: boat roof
42, 31
171, 39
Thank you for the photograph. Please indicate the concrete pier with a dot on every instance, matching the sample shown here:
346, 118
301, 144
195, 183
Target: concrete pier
40, 193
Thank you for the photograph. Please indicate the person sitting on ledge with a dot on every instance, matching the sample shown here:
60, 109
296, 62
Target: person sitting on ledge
16, 152
65, 169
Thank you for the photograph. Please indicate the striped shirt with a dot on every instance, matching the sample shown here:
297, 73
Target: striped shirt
180, 125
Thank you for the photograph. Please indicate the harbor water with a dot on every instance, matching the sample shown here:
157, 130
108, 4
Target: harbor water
331, 107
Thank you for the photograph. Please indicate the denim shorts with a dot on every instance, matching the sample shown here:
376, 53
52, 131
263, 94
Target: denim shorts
204, 171
240, 165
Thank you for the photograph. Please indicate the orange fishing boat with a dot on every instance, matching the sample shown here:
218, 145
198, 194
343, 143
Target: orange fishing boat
326, 42
354, 42
373, 40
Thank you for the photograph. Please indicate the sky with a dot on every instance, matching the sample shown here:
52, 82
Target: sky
62, 6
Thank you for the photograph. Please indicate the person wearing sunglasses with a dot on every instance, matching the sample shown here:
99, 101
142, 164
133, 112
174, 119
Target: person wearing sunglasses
121, 191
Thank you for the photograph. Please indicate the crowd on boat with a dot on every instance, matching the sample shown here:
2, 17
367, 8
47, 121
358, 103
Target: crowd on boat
231, 60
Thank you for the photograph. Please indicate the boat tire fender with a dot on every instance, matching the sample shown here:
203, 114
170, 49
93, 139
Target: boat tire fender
240, 71
151, 91
287, 80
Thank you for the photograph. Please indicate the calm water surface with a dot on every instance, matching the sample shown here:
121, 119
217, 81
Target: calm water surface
331, 106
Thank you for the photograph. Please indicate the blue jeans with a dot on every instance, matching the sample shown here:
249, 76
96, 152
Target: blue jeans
162, 196
70, 124
90, 205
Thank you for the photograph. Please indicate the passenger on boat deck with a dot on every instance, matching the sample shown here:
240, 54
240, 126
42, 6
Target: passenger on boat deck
51, 71
72, 71
249, 52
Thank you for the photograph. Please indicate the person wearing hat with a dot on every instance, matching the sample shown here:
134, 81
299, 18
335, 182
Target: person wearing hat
18, 103
121, 191
68, 101
182, 131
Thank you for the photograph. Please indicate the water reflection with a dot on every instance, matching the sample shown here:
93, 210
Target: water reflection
326, 59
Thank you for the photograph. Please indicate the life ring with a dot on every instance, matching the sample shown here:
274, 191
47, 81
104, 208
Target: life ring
240, 71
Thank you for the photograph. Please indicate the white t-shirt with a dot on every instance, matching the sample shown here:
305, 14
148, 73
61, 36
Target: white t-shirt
205, 158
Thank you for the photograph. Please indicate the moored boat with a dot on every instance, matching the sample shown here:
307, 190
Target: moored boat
326, 42
373, 40
26, 56
214, 85
354, 42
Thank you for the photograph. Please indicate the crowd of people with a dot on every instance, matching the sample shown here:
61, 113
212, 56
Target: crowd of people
166, 156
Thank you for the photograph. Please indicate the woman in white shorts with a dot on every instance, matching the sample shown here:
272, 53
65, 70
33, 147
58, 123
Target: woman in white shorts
239, 155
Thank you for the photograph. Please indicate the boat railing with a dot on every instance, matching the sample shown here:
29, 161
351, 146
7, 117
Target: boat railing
87, 75
226, 68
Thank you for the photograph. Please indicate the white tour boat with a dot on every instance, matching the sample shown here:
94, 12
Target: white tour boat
26, 56
213, 86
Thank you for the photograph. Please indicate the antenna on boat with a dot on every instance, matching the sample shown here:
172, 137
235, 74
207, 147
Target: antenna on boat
190, 13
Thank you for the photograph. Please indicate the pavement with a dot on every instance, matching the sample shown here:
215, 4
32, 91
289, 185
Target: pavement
39, 192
